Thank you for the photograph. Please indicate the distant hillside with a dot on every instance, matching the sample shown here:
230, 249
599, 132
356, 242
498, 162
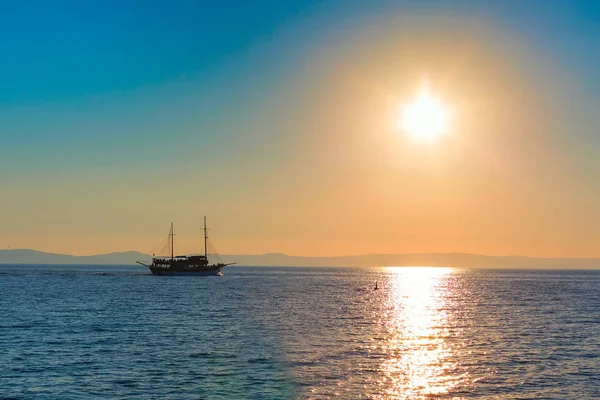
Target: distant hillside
428, 259
26, 256
283, 260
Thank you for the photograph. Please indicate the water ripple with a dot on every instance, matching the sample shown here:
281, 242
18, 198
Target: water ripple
77, 332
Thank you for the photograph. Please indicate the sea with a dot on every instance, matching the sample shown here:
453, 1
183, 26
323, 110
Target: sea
118, 332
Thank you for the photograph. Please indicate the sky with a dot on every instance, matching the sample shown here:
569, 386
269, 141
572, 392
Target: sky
278, 121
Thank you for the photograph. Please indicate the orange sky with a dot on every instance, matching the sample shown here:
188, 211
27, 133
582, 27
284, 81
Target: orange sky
314, 165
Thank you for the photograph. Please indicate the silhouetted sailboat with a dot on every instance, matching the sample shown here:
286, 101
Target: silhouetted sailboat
192, 265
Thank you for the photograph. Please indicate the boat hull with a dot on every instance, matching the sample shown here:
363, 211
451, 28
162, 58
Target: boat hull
178, 272
187, 273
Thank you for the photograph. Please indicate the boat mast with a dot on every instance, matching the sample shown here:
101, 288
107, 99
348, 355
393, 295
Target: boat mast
205, 237
172, 244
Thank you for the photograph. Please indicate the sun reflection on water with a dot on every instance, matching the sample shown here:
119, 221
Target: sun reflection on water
419, 358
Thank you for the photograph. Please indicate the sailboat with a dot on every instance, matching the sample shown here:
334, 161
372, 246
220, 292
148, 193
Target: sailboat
190, 265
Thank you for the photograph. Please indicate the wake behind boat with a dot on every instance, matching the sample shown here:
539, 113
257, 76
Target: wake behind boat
191, 265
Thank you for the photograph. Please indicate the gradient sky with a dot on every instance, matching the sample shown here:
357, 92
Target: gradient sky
276, 120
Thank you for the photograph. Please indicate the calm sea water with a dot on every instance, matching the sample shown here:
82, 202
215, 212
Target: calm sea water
277, 333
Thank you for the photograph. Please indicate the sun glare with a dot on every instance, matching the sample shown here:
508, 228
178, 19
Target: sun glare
426, 117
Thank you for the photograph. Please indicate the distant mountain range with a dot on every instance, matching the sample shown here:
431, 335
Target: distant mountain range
25, 256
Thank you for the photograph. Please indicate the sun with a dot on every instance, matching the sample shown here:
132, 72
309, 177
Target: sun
426, 117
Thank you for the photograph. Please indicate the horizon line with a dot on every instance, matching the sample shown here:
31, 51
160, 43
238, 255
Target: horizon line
310, 256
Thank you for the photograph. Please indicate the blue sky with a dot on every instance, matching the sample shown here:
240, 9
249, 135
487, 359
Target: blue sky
63, 50
67, 49
104, 97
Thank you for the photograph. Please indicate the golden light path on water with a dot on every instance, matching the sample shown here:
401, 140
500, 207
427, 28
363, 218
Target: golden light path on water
420, 362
